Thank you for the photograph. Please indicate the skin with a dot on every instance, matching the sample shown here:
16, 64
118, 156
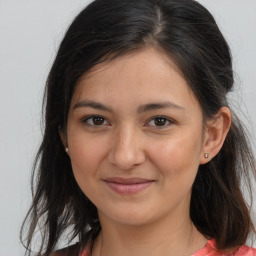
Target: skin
128, 141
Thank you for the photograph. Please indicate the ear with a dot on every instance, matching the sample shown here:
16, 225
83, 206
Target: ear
215, 134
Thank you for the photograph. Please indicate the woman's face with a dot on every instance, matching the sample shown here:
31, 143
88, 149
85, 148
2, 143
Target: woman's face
135, 138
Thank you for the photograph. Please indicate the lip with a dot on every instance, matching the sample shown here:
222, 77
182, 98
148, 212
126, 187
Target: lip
128, 185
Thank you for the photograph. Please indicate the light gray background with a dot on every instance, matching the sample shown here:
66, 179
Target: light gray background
30, 32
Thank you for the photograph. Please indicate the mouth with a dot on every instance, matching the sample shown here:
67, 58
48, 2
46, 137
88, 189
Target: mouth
128, 186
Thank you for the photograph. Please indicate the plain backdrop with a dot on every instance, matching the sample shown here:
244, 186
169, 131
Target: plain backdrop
30, 32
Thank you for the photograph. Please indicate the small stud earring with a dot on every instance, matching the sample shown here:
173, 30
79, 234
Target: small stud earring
66, 149
206, 155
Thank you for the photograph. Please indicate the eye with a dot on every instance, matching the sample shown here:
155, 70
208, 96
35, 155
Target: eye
159, 121
95, 121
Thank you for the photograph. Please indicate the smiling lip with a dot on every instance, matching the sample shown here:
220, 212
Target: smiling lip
128, 186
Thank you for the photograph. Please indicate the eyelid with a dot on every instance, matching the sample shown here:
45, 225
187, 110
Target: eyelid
168, 119
86, 118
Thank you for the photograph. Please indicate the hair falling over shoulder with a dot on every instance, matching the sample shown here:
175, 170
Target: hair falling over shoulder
105, 30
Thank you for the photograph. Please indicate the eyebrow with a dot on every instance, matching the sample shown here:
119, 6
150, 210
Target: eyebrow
160, 105
141, 109
91, 104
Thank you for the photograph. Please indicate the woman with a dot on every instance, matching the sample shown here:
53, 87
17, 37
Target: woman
141, 153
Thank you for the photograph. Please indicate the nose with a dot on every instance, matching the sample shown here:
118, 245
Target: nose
126, 149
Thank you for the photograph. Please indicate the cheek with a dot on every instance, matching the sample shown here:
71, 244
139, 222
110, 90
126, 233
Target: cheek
86, 156
177, 157
177, 163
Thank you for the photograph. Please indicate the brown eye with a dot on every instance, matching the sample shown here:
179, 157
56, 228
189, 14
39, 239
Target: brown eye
95, 121
98, 120
160, 121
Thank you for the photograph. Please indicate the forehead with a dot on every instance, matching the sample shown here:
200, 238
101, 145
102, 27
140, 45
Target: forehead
136, 77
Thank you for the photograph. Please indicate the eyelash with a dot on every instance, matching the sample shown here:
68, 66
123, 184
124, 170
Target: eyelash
166, 120
152, 119
87, 118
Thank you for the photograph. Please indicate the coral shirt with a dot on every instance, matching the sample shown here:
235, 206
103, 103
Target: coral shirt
209, 250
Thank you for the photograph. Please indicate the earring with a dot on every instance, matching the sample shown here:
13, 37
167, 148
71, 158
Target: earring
66, 149
206, 155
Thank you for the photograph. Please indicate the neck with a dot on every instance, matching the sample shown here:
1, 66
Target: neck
168, 237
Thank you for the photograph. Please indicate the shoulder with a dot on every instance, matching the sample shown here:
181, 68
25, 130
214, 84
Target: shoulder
246, 251
210, 250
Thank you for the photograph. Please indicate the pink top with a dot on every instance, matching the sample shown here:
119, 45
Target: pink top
209, 250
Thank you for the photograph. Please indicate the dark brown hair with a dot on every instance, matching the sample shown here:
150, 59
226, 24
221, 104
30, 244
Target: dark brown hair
108, 29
